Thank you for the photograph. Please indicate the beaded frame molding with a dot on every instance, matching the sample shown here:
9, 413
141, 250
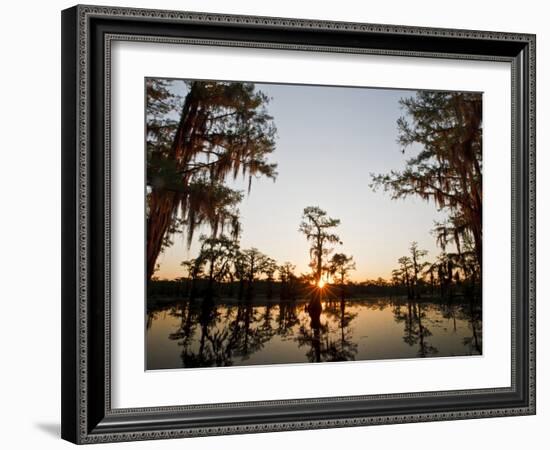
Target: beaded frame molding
87, 35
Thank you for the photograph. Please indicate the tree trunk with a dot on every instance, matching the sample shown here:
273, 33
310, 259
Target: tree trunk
319, 259
314, 310
210, 289
240, 295
478, 244
162, 205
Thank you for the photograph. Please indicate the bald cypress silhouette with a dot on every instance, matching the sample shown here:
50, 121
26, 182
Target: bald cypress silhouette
224, 131
444, 130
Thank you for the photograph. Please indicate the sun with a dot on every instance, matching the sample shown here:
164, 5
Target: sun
321, 284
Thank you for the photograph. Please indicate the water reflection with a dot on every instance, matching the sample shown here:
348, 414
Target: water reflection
208, 333
331, 340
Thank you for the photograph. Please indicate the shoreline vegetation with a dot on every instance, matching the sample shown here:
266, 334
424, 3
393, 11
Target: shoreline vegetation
172, 291
160, 301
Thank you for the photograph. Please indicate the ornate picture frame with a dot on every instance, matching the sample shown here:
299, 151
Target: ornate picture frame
88, 33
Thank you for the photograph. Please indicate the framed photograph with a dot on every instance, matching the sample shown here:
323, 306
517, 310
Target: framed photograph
279, 224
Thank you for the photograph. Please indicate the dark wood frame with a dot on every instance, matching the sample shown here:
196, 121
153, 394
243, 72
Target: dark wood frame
87, 32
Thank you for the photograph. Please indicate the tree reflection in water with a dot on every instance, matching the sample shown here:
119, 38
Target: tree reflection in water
330, 339
222, 333
415, 328
287, 318
416, 319
214, 334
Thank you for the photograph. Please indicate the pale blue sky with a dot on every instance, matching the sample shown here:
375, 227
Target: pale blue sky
329, 141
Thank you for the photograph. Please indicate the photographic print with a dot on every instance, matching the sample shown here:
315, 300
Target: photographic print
304, 224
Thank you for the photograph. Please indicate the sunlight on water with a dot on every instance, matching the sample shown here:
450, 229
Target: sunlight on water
202, 334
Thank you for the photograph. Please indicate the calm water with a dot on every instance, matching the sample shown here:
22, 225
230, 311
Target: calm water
199, 334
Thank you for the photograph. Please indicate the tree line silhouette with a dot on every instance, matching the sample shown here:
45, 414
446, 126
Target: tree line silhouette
446, 277
221, 130
447, 126
223, 269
